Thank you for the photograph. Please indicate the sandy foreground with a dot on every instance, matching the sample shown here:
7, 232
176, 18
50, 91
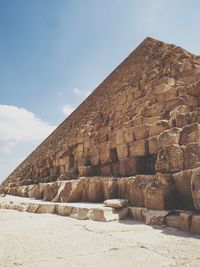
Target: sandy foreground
29, 240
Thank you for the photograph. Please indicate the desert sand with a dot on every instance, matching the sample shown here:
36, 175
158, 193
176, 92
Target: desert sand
31, 240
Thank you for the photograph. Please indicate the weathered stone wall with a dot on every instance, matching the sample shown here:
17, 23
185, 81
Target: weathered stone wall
143, 119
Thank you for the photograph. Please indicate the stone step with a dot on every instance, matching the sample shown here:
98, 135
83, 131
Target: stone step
183, 220
81, 211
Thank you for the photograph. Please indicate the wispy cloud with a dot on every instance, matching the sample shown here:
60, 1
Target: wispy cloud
20, 132
19, 124
67, 109
77, 92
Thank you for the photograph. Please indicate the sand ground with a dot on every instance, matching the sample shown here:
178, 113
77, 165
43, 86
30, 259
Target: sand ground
33, 240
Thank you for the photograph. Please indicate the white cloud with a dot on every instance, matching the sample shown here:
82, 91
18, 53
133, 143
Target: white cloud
20, 132
67, 109
20, 124
77, 92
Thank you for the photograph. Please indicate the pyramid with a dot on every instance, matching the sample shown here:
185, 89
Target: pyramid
137, 136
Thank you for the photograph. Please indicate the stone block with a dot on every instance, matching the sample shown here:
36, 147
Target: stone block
192, 155
141, 132
158, 127
182, 119
153, 145
185, 221
190, 134
105, 156
170, 159
195, 187
116, 203
137, 213
127, 167
172, 221
183, 187
169, 137
138, 188
95, 190
138, 148
63, 210
173, 103
161, 194
166, 95
129, 135
90, 170
46, 208
50, 191
105, 170
122, 151
195, 225
110, 188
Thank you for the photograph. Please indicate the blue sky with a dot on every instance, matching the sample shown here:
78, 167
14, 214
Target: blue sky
54, 53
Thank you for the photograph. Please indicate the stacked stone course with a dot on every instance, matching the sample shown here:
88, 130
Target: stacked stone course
137, 136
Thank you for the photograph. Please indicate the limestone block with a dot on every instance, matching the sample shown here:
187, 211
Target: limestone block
158, 127
32, 208
185, 221
110, 188
195, 225
94, 155
50, 191
152, 120
122, 150
183, 187
182, 119
161, 87
124, 187
80, 213
172, 221
153, 145
137, 213
129, 135
178, 110
161, 194
141, 132
155, 217
36, 191
166, 95
63, 210
105, 156
192, 155
155, 109
127, 167
138, 120
116, 203
106, 169
170, 159
195, 115
119, 137
108, 214
173, 103
195, 187
90, 170
95, 190
194, 89
169, 137
138, 148
23, 191
192, 101
138, 187
46, 208
190, 134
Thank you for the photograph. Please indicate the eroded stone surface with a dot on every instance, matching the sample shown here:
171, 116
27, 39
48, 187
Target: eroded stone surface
142, 122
